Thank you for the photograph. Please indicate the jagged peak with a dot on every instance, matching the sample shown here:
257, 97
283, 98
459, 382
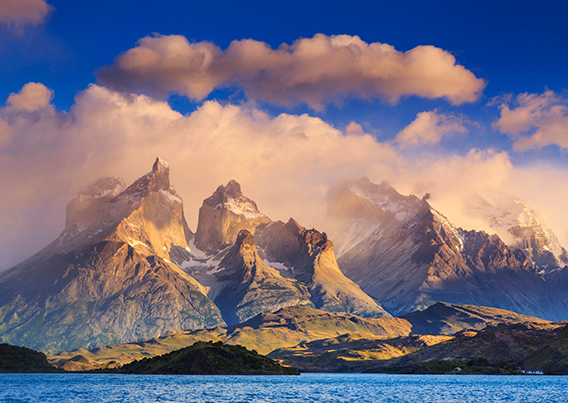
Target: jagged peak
294, 227
155, 180
231, 198
244, 237
160, 164
224, 193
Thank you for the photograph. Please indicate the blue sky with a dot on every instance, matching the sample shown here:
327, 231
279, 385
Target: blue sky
61, 133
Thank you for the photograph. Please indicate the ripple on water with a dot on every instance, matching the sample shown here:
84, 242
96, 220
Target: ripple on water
105, 388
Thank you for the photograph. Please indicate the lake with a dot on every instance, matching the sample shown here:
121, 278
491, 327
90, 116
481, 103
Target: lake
305, 388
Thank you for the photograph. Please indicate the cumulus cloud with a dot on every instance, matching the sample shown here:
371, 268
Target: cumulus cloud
315, 71
32, 97
430, 127
537, 120
287, 163
17, 13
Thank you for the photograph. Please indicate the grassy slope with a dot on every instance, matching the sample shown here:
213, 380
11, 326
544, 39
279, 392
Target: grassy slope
264, 333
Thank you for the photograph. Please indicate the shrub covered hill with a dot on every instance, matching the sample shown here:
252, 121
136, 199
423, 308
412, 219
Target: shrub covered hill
208, 358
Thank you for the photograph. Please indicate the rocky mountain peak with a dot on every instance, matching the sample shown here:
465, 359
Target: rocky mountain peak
521, 226
155, 180
160, 164
316, 241
222, 215
293, 226
244, 238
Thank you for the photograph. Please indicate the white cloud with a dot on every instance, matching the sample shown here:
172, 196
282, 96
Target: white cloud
315, 71
20, 12
287, 163
32, 97
430, 127
538, 120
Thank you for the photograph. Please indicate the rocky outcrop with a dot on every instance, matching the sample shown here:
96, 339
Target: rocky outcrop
223, 215
243, 286
108, 278
308, 256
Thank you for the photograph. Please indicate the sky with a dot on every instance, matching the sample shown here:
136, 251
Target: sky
291, 99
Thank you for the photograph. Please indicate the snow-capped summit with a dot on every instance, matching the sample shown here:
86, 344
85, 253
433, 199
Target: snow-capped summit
231, 198
385, 197
520, 226
223, 215
407, 255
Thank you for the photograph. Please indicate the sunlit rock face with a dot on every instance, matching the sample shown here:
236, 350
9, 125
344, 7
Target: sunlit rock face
223, 215
108, 277
407, 256
308, 256
521, 226
245, 286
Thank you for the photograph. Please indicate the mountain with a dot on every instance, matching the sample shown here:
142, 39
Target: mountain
270, 265
287, 327
407, 256
308, 256
108, 278
243, 286
442, 318
223, 215
521, 225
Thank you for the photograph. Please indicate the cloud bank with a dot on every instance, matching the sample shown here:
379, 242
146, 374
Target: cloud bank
314, 71
537, 120
17, 13
289, 164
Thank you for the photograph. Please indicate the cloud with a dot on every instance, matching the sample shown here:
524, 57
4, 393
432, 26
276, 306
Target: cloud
314, 71
17, 13
32, 97
430, 127
288, 163
538, 120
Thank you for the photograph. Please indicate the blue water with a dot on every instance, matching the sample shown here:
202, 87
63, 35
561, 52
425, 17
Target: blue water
305, 388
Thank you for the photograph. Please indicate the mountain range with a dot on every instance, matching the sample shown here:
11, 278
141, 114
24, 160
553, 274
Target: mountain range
407, 255
127, 267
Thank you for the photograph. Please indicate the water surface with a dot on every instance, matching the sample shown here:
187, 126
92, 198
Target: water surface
305, 388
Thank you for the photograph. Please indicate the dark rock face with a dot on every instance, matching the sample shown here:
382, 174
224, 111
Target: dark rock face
309, 257
246, 286
110, 279
407, 256
223, 215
